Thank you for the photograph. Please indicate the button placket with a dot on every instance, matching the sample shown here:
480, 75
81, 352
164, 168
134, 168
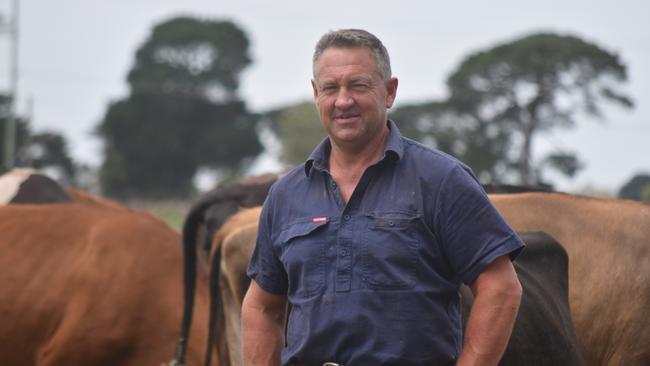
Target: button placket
344, 256
334, 191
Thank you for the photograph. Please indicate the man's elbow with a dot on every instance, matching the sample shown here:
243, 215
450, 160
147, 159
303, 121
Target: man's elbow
509, 290
512, 292
258, 302
500, 283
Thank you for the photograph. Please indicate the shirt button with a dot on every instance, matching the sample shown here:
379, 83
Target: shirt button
346, 217
343, 252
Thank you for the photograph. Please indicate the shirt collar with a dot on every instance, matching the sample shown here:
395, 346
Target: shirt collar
319, 157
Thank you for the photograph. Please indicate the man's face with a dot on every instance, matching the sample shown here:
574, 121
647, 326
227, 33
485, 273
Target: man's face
351, 96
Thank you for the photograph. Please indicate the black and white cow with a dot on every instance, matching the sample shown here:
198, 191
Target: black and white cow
24, 185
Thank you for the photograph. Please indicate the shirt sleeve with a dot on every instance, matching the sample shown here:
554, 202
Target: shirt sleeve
473, 233
265, 267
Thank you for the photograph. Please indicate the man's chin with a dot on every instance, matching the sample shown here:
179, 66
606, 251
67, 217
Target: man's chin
347, 137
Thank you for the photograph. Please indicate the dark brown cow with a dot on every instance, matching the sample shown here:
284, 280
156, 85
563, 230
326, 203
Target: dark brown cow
543, 333
87, 284
608, 242
207, 215
204, 218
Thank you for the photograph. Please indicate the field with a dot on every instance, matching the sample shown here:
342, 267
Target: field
170, 211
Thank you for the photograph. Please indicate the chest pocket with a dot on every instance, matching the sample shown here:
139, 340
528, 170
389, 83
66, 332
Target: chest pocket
390, 251
303, 256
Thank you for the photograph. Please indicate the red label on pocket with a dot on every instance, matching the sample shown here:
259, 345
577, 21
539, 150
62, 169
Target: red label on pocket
319, 219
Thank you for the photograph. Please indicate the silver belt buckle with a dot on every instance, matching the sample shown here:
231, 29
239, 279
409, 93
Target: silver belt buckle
332, 364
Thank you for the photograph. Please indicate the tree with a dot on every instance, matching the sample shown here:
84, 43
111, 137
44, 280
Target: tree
645, 194
637, 188
182, 114
299, 129
50, 149
532, 85
22, 132
158, 143
39, 150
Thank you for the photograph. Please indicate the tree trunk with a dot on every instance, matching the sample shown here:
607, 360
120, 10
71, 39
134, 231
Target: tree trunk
526, 174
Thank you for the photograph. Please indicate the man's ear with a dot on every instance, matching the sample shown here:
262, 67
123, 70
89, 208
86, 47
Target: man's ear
391, 91
314, 88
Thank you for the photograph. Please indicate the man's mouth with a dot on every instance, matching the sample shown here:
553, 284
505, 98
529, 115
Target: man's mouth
346, 117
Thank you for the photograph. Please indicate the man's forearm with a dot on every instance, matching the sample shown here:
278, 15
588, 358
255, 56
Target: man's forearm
262, 334
490, 322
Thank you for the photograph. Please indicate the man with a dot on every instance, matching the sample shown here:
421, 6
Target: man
369, 240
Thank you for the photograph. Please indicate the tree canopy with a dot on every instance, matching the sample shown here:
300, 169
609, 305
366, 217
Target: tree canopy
637, 188
532, 85
182, 113
189, 56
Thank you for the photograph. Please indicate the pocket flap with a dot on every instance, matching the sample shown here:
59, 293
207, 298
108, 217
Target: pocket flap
391, 219
302, 228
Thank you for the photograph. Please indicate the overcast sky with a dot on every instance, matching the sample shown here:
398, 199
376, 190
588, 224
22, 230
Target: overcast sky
75, 54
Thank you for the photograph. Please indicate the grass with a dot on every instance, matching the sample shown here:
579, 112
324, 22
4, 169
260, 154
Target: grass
172, 212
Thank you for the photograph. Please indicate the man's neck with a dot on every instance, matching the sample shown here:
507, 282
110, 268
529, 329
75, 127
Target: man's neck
348, 164
352, 156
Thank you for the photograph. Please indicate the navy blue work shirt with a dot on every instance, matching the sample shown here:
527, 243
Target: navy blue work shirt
376, 281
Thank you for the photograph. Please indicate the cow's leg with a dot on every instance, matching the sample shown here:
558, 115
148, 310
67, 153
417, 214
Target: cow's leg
232, 315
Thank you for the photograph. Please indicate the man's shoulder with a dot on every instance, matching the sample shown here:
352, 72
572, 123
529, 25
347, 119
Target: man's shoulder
429, 159
289, 180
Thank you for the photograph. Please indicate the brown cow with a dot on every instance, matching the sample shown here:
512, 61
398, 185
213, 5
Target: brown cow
543, 333
235, 240
608, 242
92, 285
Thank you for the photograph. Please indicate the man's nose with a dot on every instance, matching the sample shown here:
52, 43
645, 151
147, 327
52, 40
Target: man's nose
343, 99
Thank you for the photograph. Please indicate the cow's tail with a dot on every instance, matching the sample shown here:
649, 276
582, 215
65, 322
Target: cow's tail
215, 268
190, 227
193, 220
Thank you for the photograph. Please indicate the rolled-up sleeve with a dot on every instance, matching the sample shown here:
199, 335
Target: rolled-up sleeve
473, 232
265, 268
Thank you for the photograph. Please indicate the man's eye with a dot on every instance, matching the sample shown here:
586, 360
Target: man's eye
360, 86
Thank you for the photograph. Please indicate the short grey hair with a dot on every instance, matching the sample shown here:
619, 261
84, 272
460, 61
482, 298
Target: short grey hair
354, 38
